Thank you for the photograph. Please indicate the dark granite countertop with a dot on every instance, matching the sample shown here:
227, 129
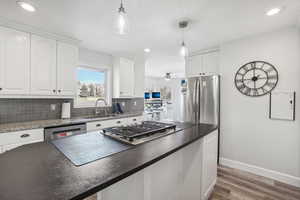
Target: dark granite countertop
40, 172
11, 127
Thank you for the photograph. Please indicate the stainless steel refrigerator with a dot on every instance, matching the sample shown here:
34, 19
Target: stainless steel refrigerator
200, 99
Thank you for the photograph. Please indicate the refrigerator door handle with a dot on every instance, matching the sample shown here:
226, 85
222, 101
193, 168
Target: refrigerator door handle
194, 104
199, 91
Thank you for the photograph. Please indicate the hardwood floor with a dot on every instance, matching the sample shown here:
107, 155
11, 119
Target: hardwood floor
233, 184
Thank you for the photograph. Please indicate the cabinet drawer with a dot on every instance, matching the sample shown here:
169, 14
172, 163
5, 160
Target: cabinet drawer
22, 137
94, 126
133, 120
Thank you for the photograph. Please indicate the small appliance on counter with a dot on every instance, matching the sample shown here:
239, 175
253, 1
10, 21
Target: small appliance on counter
66, 110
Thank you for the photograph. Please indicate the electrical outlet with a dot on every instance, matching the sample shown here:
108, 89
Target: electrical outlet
123, 103
134, 103
53, 107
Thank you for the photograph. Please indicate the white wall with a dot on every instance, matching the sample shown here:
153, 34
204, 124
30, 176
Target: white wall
96, 59
139, 75
248, 135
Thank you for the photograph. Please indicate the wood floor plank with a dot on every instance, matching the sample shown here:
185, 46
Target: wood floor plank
241, 185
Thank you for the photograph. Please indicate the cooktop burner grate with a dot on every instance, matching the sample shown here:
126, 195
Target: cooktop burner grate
138, 130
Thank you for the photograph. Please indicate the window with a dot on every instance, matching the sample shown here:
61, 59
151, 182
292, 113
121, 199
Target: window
91, 85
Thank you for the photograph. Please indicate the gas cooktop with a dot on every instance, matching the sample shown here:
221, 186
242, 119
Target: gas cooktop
140, 133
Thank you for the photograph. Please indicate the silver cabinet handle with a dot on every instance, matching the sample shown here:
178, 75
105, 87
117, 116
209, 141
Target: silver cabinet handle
25, 136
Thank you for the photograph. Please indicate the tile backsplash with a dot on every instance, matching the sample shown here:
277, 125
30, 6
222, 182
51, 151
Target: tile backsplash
22, 110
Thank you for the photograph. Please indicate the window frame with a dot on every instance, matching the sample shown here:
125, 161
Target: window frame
91, 104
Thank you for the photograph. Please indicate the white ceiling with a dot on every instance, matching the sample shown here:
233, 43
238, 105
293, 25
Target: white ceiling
154, 24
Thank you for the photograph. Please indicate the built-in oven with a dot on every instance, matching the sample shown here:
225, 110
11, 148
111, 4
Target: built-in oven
53, 133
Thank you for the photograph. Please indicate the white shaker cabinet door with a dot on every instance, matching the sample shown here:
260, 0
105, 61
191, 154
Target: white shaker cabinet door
67, 61
130, 188
14, 62
194, 66
43, 66
209, 167
211, 63
191, 171
163, 179
126, 78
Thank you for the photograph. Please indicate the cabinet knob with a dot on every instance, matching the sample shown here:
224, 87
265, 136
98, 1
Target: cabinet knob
98, 125
134, 120
118, 122
0, 89
54, 91
59, 91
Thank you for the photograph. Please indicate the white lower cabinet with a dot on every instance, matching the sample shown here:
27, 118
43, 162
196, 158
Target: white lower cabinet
135, 120
189, 173
209, 166
11, 140
129, 188
98, 125
163, 179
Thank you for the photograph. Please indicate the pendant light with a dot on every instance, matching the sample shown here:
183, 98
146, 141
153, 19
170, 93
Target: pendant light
122, 22
183, 49
168, 76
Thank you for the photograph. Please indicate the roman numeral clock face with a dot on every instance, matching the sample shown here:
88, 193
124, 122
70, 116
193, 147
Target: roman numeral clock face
256, 78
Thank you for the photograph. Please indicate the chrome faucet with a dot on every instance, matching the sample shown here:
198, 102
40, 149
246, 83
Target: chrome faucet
97, 111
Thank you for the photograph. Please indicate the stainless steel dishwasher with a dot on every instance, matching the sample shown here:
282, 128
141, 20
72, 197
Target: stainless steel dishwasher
53, 133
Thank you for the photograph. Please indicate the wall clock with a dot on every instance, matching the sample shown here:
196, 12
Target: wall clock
256, 78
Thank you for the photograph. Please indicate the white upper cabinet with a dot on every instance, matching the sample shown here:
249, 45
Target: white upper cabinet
207, 63
34, 66
126, 78
194, 65
123, 78
43, 66
210, 63
67, 60
14, 62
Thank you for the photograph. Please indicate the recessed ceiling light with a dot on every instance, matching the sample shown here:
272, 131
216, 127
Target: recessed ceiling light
147, 50
26, 6
273, 11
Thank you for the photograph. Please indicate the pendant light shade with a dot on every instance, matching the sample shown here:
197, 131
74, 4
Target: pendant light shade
121, 21
168, 76
184, 50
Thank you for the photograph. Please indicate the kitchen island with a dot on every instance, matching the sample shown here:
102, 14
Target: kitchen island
40, 172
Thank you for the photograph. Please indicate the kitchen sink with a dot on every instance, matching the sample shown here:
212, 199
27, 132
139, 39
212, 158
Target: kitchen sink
100, 116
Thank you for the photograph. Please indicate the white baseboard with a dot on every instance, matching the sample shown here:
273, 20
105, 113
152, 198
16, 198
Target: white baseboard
209, 190
278, 176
